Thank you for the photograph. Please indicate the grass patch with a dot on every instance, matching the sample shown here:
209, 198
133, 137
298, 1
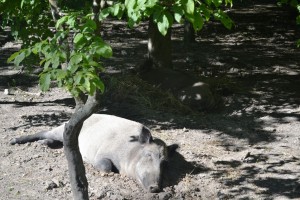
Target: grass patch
131, 89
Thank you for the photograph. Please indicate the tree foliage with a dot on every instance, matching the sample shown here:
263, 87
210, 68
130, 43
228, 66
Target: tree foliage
28, 19
82, 61
74, 67
166, 13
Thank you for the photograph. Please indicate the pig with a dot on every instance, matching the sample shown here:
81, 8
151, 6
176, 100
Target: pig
115, 144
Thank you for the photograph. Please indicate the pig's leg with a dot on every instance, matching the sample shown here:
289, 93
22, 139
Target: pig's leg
104, 165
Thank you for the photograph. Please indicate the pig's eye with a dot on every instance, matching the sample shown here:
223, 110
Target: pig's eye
148, 155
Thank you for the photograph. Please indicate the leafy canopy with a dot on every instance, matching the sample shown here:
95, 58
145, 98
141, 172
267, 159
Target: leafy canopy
27, 19
76, 68
165, 13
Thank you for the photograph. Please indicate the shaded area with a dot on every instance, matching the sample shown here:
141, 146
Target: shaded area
278, 186
236, 174
177, 168
256, 66
51, 120
22, 80
70, 102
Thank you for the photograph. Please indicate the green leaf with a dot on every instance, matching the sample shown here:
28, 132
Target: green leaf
208, 2
130, 4
78, 37
22, 3
91, 24
141, 5
19, 58
164, 22
94, 64
228, 2
99, 84
61, 74
35, 50
178, 13
121, 11
189, 6
42, 61
13, 56
116, 9
87, 84
47, 63
104, 50
134, 16
77, 78
76, 58
45, 81
92, 88
217, 3
55, 61
104, 14
71, 22
151, 3
61, 21
224, 18
198, 21
73, 68
205, 11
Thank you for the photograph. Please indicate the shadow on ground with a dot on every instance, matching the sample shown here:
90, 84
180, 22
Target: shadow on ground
51, 120
178, 168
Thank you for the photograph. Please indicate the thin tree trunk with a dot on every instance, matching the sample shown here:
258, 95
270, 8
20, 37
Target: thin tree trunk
56, 14
84, 109
55, 10
189, 34
159, 47
96, 12
76, 168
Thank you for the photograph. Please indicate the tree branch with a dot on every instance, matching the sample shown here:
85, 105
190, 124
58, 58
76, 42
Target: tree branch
78, 179
55, 10
96, 12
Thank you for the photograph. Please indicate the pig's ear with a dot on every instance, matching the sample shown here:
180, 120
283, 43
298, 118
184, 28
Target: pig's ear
145, 136
172, 149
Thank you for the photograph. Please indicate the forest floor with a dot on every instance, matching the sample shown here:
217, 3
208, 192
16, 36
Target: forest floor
248, 149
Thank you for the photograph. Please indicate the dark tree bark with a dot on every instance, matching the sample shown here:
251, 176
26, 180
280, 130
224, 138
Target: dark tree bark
55, 10
78, 179
84, 109
159, 48
189, 34
96, 11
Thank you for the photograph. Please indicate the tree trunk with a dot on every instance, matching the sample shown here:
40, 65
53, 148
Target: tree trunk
189, 34
84, 109
96, 10
159, 47
78, 179
55, 10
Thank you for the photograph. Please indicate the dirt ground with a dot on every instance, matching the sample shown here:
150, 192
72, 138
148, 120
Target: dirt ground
249, 149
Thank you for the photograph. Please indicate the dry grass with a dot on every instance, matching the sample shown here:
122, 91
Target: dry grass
132, 89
